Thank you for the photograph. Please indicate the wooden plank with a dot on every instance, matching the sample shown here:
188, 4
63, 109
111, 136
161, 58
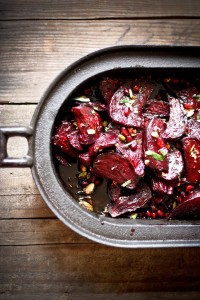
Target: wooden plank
73, 270
16, 181
89, 9
24, 206
31, 232
34, 53
16, 115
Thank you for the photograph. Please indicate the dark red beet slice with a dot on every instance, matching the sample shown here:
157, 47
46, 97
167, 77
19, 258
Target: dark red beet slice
73, 138
122, 204
108, 86
189, 208
176, 165
85, 159
151, 144
115, 167
177, 120
159, 108
127, 110
88, 122
106, 139
61, 157
193, 127
60, 139
162, 186
98, 106
188, 97
191, 150
135, 157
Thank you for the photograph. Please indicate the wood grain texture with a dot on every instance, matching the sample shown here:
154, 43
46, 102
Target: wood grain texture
89, 9
37, 232
71, 270
33, 53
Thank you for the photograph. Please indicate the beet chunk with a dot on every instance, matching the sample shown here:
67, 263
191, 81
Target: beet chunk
177, 120
127, 110
154, 127
159, 108
193, 127
134, 156
108, 86
191, 149
122, 203
61, 140
188, 97
176, 165
89, 123
162, 186
115, 167
106, 139
189, 208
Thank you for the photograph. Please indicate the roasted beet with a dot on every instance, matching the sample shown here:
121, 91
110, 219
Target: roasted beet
153, 158
191, 149
88, 122
61, 157
189, 208
108, 86
61, 140
122, 203
115, 167
134, 156
106, 139
193, 127
162, 186
157, 108
85, 159
189, 97
177, 120
127, 109
176, 165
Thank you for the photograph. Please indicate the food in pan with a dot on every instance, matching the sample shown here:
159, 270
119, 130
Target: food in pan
137, 137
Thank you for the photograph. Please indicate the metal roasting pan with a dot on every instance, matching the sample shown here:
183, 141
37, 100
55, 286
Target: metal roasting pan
120, 232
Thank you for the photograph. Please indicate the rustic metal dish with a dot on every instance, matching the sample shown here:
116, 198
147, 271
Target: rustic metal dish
114, 232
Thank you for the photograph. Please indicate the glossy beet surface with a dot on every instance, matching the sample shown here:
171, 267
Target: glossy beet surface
138, 140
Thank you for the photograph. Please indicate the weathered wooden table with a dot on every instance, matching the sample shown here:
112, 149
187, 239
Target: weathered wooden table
40, 258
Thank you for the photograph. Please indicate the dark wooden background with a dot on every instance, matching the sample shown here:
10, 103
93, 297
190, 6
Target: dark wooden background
40, 258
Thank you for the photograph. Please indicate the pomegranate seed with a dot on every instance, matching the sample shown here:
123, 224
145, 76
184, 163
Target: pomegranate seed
148, 213
92, 179
136, 88
126, 92
188, 105
84, 183
97, 182
153, 215
133, 146
129, 138
124, 131
160, 142
127, 111
182, 194
160, 213
189, 188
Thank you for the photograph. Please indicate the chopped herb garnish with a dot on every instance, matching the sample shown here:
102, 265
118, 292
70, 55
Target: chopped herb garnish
198, 117
197, 97
126, 183
154, 155
81, 99
124, 100
163, 151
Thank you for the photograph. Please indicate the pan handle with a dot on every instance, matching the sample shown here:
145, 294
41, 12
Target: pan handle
5, 133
